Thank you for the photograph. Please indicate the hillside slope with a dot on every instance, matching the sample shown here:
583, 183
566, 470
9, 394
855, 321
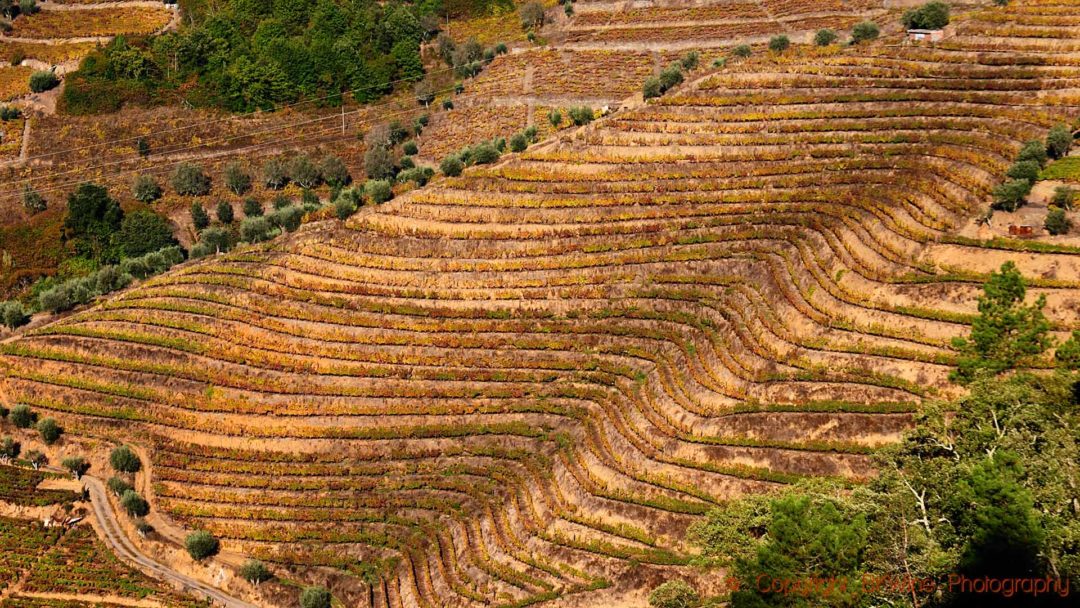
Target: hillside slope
526, 382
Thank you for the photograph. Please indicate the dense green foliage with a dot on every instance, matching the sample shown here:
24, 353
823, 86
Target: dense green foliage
1007, 333
123, 459
143, 231
49, 430
93, 216
315, 597
864, 31
930, 16
1056, 222
255, 572
201, 545
135, 505
244, 55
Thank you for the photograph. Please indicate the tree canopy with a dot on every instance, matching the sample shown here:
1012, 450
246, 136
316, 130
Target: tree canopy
244, 55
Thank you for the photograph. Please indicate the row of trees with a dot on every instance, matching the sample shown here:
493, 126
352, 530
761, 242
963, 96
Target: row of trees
1025, 170
671, 76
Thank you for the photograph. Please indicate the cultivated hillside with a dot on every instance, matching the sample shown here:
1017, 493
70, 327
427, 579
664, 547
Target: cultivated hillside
525, 383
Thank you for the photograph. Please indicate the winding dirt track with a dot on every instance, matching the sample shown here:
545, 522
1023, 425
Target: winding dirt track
119, 543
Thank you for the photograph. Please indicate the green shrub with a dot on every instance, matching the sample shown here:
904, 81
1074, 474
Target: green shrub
49, 430
135, 505
1011, 195
318, 597
825, 37
201, 545
410, 148
930, 16
1058, 141
252, 207
690, 61
742, 50
303, 172
21, 416
199, 218
483, 153
146, 189
224, 212
518, 142
1025, 169
190, 180
532, 15
125, 460
255, 229
583, 115
1056, 223
118, 486
333, 171
13, 315
555, 118
674, 594
255, 572
1033, 150
670, 76
237, 179
77, 465
288, 218
275, 174
865, 31
451, 166
378, 190
344, 207
779, 44
9, 448
32, 200
43, 80
1064, 196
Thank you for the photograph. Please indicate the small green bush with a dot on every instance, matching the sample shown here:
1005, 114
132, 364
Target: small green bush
49, 430
146, 189
779, 44
255, 572
255, 229
21, 416
1056, 223
825, 37
125, 460
930, 16
135, 505
583, 115
1064, 196
378, 190
43, 80
865, 31
316, 597
1011, 195
674, 594
1025, 169
451, 166
1058, 141
118, 486
742, 50
201, 545
190, 180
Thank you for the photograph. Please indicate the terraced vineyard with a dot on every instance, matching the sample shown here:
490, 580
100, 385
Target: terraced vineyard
668, 25
58, 567
524, 384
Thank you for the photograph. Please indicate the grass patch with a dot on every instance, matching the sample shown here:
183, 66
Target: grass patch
1067, 169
